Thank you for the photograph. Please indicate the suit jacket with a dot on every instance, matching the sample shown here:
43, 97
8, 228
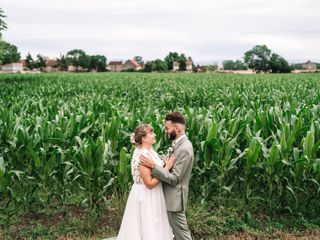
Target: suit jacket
175, 183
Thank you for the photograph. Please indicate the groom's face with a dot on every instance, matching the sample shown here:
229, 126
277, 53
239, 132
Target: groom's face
170, 130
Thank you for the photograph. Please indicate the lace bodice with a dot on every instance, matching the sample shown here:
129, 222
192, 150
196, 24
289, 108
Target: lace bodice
135, 162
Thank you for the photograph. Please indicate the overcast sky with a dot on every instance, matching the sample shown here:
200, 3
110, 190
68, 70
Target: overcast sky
206, 30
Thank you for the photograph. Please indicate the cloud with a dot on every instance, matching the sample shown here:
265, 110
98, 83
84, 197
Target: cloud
204, 29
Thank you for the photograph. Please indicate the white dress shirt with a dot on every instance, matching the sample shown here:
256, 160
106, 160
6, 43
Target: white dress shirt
177, 140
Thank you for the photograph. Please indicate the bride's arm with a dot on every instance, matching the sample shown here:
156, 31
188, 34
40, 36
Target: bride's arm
147, 178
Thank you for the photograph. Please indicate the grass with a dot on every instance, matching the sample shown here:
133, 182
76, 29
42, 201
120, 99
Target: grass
206, 221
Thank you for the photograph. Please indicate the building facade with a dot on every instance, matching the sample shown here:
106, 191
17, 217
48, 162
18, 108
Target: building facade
310, 66
12, 67
115, 66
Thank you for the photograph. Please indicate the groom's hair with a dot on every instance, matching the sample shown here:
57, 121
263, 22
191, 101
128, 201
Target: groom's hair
176, 117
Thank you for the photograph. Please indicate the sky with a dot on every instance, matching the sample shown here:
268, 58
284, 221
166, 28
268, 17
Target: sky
206, 30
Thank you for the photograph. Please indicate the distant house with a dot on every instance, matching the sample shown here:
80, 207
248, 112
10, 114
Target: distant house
175, 66
24, 64
52, 65
115, 66
189, 66
131, 64
310, 66
72, 68
12, 67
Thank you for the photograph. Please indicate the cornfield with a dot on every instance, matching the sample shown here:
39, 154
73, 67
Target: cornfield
65, 137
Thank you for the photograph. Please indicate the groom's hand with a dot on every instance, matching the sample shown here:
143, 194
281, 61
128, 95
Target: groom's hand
147, 162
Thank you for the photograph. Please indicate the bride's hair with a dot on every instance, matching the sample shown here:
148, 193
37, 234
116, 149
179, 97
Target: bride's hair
140, 132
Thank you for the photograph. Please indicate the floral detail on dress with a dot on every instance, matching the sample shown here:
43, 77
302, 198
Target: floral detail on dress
135, 161
135, 167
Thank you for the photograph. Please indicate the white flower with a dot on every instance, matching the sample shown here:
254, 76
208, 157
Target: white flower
132, 138
170, 150
168, 154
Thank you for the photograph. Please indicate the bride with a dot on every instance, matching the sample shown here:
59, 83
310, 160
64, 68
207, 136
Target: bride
145, 216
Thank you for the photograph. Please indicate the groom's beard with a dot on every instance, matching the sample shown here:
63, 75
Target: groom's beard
172, 136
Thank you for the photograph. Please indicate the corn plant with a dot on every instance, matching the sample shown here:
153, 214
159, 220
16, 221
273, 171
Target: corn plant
66, 136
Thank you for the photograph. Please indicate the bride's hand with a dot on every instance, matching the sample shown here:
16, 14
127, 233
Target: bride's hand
170, 163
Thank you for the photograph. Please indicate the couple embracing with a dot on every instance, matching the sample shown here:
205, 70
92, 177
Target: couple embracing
157, 201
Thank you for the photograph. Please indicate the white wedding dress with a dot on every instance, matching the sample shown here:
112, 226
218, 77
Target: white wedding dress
145, 216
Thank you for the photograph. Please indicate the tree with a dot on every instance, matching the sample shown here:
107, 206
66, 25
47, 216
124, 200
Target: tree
63, 63
183, 62
239, 65
138, 59
278, 64
159, 66
170, 58
98, 63
175, 57
30, 63
156, 65
234, 65
8, 53
210, 68
148, 66
228, 65
296, 66
3, 25
78, 58
41, 62
261, 59
258, 58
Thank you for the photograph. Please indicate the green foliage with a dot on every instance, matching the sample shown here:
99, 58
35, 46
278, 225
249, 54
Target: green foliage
3, 24
8, 53
234, 65
175, 57
155, 66
182, 62
261, 59
98, 63
40, 62
30, 63
258, 58
66, 136
278, 64
296, 66
63, 63
170, 58
206, 68
78, 58
138, 59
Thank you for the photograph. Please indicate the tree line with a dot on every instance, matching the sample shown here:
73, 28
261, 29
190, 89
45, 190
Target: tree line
76, 57
260, 59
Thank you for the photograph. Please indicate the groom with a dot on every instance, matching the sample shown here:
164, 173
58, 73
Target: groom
176, 182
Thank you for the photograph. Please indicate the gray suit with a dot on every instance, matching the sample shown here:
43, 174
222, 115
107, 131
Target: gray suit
176, 186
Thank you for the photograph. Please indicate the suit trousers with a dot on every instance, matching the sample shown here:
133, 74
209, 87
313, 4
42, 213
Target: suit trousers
178, 222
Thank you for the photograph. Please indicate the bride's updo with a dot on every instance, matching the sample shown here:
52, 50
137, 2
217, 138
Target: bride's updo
140, 132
